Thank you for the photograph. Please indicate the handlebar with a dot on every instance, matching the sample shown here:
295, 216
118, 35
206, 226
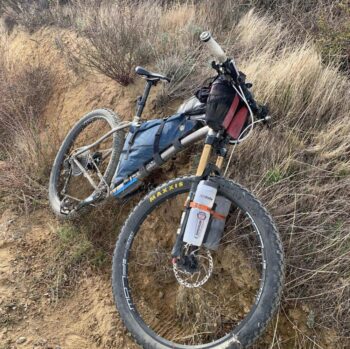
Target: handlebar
229, 66
213, 46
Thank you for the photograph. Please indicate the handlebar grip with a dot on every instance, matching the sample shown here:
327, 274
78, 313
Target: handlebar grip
213, 46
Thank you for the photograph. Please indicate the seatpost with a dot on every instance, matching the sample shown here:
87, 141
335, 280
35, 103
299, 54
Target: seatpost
141, 101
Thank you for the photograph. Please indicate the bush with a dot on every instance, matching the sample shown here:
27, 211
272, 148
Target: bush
115, 38
26, 153
33, 15
333, 35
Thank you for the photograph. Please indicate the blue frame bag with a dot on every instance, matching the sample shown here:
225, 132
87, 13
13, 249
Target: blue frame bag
146, 141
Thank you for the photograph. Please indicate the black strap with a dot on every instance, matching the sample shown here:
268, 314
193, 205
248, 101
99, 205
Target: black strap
131, 140
176, 143
158, 159
156, 156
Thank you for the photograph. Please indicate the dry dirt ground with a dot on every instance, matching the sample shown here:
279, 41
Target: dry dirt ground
30, 313
34, 313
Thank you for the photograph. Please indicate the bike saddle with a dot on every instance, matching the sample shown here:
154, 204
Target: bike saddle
149, 75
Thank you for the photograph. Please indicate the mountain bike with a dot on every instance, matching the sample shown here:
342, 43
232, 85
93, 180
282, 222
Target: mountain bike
99, 159
199, 261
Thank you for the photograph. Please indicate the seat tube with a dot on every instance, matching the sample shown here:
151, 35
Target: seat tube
142, 100
208, 146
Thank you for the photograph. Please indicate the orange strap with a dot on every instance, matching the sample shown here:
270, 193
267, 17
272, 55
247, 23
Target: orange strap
208, 209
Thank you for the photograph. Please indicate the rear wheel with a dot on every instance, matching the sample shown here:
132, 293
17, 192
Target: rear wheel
74, 179
221, 298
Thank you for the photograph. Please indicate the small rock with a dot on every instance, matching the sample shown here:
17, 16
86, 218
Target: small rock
21, 340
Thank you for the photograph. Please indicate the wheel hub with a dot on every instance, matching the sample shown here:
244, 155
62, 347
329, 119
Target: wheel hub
193, 270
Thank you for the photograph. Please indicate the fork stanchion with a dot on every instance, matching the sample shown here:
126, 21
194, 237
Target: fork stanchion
204, 159
219, 162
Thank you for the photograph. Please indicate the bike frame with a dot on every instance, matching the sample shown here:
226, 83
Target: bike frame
134, 181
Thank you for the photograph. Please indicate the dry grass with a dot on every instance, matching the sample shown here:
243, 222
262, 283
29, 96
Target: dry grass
327, 21
113, 37
26, 151
300, 168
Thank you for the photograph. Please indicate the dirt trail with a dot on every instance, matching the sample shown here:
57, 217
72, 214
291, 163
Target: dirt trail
33, 318
6, 257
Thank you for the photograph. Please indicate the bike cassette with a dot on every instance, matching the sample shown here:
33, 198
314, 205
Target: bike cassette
83, 159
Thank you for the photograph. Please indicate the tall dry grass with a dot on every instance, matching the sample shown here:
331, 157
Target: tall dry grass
26, 152
300, 168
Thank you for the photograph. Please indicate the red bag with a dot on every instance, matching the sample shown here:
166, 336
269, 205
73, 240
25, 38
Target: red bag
226, 109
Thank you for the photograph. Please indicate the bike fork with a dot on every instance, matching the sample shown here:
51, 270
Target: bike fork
201, 169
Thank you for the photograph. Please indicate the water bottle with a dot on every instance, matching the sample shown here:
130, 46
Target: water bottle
199, 216
217, 223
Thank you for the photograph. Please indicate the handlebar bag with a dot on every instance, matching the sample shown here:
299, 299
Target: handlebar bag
225, 109
146, 141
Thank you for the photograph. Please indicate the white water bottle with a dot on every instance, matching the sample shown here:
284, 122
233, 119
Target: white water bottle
199, 216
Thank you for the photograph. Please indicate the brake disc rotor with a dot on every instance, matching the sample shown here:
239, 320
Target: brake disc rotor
198, 277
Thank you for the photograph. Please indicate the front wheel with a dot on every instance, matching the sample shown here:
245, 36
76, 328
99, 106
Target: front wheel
224, 298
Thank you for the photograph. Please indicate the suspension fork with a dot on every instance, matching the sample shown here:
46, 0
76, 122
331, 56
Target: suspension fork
203, 163
220, 147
